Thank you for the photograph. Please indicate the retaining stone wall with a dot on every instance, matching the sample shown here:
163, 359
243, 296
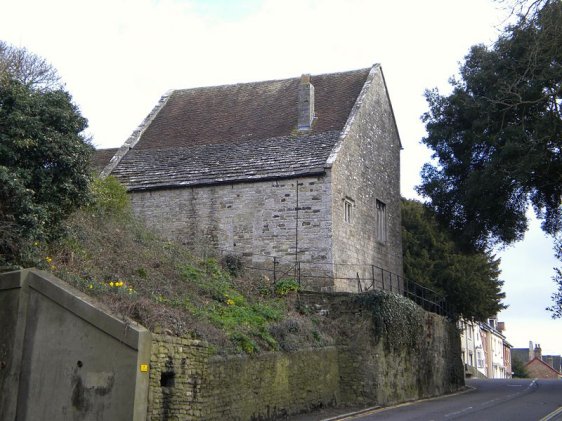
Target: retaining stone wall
361, 371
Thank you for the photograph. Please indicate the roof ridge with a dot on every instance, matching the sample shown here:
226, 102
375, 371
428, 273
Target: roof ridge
230, 85
544, 363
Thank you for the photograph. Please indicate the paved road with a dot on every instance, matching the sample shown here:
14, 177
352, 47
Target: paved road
505, 399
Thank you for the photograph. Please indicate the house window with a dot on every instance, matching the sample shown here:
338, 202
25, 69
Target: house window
347, 207
381, 228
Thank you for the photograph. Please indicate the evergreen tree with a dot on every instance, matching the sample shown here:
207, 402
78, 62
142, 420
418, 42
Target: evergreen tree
469, 281
556, 308
497, 137
44, 164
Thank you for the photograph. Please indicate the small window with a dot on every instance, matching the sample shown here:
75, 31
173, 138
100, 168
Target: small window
347, 210
381, 229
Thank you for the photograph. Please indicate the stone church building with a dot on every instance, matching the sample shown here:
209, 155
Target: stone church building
303, 170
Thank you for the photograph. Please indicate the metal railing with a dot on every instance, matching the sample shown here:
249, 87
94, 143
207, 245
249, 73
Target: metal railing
361, 277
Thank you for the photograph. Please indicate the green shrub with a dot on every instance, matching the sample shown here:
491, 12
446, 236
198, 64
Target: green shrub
285, 286
244, 343
233, 264
109, 197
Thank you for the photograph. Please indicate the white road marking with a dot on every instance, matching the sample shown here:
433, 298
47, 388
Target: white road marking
451, 414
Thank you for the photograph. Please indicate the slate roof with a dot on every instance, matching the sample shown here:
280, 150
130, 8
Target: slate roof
239, 132
101, 157
277, 157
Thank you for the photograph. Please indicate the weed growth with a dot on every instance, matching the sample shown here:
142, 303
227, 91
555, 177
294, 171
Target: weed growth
109, 254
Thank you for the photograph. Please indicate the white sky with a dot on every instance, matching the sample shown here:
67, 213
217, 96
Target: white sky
117, 57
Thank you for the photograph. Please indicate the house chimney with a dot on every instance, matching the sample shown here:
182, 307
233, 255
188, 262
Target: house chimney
305, 105
538, 352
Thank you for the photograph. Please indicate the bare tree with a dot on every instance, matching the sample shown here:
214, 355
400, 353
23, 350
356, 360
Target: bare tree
27, 68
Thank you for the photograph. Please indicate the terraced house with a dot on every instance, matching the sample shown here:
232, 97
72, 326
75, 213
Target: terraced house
297, 172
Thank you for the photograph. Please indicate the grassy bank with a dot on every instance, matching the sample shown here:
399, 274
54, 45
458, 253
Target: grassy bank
108, 254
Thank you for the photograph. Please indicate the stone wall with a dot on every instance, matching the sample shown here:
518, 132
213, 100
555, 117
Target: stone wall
177, 369
256, 221
188, 382
365, 169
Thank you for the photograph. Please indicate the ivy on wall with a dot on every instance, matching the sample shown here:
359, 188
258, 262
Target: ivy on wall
396, 319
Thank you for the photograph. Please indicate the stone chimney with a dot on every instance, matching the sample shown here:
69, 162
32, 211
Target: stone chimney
538, 352
531, 351
305, 105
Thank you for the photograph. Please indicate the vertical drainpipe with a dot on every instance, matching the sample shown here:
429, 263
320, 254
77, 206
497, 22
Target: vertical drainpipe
305, 118
297, 228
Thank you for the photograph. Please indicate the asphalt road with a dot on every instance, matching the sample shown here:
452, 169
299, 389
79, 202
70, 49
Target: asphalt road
505, 399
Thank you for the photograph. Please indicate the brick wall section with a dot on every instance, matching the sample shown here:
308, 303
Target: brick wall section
538, 369
362, 371
253, 220
367, 168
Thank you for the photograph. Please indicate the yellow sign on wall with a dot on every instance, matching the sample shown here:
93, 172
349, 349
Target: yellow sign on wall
144, 368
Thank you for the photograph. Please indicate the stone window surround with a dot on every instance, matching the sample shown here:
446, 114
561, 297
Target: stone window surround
348, 204
381, 221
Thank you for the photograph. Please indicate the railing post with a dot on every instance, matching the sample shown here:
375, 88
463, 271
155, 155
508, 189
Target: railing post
274, 270
373, 274
382, 278
358, 283
390, 273
299, 271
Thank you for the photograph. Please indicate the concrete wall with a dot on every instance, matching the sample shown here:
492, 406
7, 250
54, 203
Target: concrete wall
365, 169
188, 382
62, 357
256, 221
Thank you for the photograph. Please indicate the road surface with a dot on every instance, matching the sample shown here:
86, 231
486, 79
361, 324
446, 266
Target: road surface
500, 399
